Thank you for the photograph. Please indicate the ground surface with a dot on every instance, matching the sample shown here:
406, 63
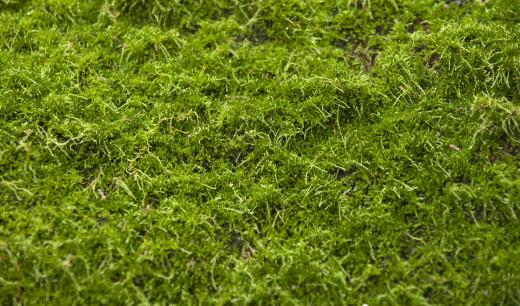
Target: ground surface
273, 152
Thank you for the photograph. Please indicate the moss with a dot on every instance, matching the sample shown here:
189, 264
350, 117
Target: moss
259, 152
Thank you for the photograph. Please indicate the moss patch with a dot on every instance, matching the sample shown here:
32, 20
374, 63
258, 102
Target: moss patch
265, 152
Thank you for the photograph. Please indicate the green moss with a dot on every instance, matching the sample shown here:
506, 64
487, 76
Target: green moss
262, 152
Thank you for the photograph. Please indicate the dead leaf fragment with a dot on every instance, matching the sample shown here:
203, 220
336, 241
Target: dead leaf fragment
454, 148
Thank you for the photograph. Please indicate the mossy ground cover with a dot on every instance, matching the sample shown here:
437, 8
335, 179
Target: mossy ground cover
265, 152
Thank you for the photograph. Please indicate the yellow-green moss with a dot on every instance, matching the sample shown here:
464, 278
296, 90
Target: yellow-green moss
262, 152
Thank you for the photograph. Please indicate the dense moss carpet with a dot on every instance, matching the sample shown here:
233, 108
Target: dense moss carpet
264, 152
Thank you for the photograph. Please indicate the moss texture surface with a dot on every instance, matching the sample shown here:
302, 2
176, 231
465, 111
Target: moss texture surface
264, 152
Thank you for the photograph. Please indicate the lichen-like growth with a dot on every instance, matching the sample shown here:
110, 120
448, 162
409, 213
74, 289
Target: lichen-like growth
265, 152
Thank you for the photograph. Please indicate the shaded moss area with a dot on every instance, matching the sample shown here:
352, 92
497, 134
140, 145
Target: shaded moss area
235, 152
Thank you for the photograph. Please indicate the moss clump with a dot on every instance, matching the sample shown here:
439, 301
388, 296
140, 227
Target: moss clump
302, 152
